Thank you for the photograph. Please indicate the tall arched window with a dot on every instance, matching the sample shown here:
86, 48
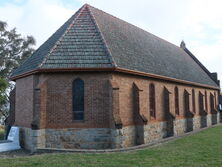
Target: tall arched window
186, 103
152, 101
215, 99
212, 103
78, 99
201, 104
193, 101
206, 101
166, 102
176, 98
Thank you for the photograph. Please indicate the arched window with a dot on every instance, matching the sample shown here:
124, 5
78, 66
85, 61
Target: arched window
193, 101
186, 103
166, 102
176, 98
206, 101
152, 101
201, 104
215, 99
212, 103
78, 99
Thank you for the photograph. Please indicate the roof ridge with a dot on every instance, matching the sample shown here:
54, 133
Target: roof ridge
56, 44
102, 37
146, 31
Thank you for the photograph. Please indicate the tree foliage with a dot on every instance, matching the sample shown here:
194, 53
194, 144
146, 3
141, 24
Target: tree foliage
14, 49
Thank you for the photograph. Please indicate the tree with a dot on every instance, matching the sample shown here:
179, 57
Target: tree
3, 97
14, 49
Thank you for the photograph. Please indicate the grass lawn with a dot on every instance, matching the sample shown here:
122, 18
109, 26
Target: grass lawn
203, 149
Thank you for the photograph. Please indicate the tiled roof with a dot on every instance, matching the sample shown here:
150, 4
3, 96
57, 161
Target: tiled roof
77, 44
92, 38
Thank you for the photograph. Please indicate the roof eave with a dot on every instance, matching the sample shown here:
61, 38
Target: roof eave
44, 70
160, 77
116, 69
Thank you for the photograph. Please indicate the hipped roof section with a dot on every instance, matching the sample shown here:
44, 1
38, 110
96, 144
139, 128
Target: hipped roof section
93, 39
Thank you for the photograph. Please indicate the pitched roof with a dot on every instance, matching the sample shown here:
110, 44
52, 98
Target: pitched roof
92, 38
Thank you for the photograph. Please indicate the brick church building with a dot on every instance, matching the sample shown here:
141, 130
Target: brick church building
99, 82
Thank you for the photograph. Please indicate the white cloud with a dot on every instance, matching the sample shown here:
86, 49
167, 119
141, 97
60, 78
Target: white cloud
39, 18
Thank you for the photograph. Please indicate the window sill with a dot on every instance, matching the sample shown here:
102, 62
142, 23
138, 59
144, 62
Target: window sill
78, 121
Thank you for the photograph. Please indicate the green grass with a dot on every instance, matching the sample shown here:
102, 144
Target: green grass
1, 133
203, 149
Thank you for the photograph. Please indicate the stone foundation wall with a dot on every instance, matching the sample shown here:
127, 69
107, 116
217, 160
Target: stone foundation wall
196, 123
26, 138
179, 127
209, 119
219, 117
106, 138
136, 135
32, 139
92, 138
124, 137
131, 135
154, 132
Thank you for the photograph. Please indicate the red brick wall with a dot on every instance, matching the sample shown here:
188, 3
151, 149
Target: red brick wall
125, 83
56, 100
49, 97
24, 101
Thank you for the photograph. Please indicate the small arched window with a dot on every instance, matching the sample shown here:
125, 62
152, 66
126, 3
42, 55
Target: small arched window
152, 101
176, 98
78, 99
193, 101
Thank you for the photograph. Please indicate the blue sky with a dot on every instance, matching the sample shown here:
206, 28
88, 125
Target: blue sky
197, 22
66, 3
3, 2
